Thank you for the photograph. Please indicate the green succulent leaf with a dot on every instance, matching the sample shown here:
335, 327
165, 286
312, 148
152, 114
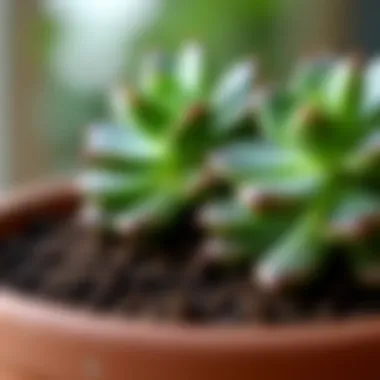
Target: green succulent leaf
193, 134
151, 116
146, 211
364, 162
260, 162
357, 206
294, 256
371, 91
114, 191
274, 115
231, 98
311, 178
309, 75
320, 139
131, 108
125, 144
343, 90
191, 71
231, 221
153, 157
299, 251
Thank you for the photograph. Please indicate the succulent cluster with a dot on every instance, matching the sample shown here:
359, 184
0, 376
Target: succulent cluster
310, 183
151, 160
307, 184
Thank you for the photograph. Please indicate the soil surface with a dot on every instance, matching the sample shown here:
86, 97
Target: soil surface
165, 279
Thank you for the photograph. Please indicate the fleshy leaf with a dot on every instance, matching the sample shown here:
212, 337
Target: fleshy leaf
233, 221
258, 162
355, 207
165, 130
130, 108
274, 115
365, 161
343, 89
114, 191
147, 211
371, 92
309, 76
191, 70
321, 138
294, 256
193, 134
126, 143
231, 98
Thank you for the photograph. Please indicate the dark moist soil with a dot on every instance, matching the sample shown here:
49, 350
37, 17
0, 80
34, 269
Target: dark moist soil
72, 264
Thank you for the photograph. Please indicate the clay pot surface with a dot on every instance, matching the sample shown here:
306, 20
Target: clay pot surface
40, 340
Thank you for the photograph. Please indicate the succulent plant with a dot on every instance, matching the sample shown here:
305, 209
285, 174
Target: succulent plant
310, 182
150, 160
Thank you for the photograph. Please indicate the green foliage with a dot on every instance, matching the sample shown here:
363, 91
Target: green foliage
226, 28
307, 183
150, 161
311, 181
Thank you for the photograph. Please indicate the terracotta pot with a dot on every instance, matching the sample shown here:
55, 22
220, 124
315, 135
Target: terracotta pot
41, 340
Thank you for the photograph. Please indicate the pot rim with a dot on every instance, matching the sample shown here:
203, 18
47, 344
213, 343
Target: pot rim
25, 311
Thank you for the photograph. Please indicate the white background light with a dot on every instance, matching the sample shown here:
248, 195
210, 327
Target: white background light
95, 38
